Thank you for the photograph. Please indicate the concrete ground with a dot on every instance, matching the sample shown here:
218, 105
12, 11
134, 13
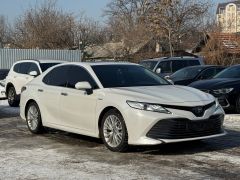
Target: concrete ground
61, 155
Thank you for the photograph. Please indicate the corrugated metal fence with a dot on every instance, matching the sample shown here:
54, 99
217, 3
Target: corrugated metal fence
9, 56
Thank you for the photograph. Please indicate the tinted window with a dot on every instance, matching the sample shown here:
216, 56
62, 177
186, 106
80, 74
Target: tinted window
165, 66
57, 76
179, 64
231, 72
187, 73
16, 68
78, 74
33, 67
24, 67
193, 62
208, 73
45, 66
149, 64
127, 76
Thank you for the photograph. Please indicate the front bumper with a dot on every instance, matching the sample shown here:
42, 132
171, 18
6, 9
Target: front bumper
152, 128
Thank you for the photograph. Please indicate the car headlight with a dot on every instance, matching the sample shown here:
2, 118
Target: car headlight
148, 107
222, 91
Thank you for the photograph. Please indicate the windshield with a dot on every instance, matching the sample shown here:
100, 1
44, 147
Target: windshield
45, 66
187, 73
149, 64
231, 72
127, 76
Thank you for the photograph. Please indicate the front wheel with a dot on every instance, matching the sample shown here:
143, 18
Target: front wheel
13, 100
113, 131
33, 118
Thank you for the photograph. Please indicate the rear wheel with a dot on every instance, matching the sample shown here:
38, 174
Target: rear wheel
33, 118
13, 100
113, 131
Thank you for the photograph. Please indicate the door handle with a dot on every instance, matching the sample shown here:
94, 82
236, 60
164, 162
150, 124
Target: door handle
64, 94
40, 90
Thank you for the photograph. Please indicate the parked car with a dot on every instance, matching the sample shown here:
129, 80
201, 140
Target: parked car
124, 104
3, 74
225, 86
2, 90
168, 65
191, 74
21, 73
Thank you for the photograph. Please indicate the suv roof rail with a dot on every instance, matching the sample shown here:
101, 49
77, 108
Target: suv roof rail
188, 56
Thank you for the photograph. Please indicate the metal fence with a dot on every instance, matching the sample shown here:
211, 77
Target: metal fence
9, 56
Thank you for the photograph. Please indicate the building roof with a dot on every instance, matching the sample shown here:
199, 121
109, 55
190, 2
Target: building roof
223, 5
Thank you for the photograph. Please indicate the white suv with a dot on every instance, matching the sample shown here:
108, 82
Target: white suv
23, 72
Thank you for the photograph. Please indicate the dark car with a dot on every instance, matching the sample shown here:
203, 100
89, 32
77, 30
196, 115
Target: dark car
168, 65
191, 74
225, 86
3, 73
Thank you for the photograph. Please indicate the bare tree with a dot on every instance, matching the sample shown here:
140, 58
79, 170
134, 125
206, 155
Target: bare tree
44, 26
4, 32
174, 19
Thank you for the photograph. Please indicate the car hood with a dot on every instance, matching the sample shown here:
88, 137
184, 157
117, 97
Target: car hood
167, 94
215, 83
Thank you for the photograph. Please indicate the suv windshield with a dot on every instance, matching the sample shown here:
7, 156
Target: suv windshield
45, 66
187, 73
232, 72
149, 64
126, 76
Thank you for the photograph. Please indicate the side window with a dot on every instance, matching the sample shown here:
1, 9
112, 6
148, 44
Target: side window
178, 64
57, 76
165, 66
78, 74
218, 70
33, 67
207, 74
24, 67
193, 62
16, 67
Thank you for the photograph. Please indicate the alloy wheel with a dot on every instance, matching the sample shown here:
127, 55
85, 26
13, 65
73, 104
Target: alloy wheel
113, 131
32, 117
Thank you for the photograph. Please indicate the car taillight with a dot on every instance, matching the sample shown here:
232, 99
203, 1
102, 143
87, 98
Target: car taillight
23, 89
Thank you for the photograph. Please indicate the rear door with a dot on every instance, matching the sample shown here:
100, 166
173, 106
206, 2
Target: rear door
49, 94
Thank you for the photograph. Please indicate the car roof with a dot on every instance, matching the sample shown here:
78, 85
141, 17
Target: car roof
173, 58
42, 60
100, 63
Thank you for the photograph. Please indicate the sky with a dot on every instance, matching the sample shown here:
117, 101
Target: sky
12, 9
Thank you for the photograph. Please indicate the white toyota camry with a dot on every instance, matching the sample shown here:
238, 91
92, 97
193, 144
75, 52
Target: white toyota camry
122, 103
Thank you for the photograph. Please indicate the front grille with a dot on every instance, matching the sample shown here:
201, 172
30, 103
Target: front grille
198, 111
185, 128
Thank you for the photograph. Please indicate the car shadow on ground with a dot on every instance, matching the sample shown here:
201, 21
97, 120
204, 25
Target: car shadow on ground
227, 142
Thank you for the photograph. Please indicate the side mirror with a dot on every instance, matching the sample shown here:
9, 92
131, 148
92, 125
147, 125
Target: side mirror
158, 70
33, 73
84, 86
167, 77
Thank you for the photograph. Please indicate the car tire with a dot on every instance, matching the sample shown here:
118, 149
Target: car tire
12, 97
113, 131
33, 118
237, 108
